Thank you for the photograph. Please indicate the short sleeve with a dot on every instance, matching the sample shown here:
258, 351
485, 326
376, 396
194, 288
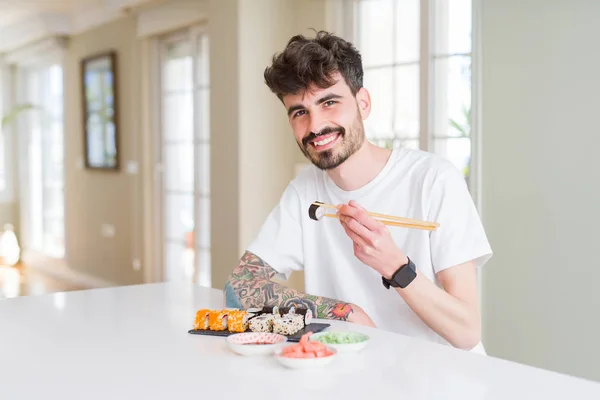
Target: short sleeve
460, 237
279, 240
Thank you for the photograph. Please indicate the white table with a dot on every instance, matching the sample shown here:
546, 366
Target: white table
132, 343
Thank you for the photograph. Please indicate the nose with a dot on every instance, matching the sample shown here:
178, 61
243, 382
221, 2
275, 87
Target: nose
317, 122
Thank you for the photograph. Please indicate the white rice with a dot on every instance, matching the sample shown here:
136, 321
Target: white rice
262, 323
288, 324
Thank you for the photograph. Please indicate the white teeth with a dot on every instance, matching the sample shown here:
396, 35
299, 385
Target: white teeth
325, 141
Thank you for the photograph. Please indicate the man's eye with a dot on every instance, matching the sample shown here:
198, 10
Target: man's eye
329, 103
299, 113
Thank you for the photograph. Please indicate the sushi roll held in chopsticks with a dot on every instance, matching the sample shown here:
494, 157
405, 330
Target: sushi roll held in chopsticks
201, 321
315, 211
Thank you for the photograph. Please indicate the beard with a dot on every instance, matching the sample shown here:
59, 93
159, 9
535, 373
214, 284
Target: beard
348, 143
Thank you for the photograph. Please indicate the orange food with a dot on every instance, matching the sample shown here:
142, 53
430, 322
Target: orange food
237, 321
306, 349
217, 320
202, 319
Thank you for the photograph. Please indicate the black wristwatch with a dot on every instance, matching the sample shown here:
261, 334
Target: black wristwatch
402, 277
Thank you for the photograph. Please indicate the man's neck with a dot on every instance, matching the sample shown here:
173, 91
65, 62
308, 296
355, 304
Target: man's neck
360, 168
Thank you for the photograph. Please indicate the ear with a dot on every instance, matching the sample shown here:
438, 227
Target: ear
363, 98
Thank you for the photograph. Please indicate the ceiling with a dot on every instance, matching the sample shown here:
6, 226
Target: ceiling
14, 11
24, 21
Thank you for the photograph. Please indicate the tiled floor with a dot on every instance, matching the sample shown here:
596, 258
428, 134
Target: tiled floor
21, 281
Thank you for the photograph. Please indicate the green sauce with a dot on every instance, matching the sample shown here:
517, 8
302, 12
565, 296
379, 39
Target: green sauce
340, 338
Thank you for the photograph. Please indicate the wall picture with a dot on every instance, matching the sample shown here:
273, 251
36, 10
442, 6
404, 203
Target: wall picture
100, 123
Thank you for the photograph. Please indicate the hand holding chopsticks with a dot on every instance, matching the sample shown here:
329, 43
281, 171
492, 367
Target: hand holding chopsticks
372, 243
317, 212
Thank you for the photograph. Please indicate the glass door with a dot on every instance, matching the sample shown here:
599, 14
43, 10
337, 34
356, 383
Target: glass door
43, 140
184, 158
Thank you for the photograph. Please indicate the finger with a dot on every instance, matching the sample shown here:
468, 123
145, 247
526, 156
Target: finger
378, 224
368, 236
361, 216
357, 239
353, 203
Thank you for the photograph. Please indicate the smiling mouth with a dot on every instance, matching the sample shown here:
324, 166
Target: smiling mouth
325, 141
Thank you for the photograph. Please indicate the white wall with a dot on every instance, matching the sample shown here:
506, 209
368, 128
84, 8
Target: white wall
541, 174
252, 145
266, 145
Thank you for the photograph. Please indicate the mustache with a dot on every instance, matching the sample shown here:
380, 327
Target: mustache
324, 131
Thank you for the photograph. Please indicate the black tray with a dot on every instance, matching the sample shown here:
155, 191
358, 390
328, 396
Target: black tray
314, 328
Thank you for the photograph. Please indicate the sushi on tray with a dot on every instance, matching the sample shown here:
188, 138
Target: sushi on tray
285, 321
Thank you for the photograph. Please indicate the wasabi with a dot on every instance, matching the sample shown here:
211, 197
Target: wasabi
340, 338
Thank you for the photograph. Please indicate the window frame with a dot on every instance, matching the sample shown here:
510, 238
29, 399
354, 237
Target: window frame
23, 73
193, 34
7, 193
343, 19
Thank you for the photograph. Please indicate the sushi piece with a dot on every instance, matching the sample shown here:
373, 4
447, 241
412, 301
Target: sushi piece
315, 211
308, 317
201, 321
305, 312
274, 310
217, 320
237, 321
288, 324
262, 323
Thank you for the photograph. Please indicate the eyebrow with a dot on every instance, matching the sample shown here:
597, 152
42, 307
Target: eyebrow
323, 99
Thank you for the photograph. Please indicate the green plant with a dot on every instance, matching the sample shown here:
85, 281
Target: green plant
12, 115
463, 128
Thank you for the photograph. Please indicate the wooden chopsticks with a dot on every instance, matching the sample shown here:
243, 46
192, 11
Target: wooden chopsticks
391, 220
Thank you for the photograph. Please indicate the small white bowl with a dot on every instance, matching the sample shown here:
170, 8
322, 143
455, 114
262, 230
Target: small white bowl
255, 343
361, 341
301, 363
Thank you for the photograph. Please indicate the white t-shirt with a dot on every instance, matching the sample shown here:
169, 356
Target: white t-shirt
413, 184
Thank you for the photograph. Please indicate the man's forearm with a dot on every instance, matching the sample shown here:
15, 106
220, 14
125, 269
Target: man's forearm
455, 320
250, 285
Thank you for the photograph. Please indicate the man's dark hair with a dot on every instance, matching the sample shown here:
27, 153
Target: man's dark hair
307, 61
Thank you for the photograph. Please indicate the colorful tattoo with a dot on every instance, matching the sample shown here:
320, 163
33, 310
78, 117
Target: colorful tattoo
250, 286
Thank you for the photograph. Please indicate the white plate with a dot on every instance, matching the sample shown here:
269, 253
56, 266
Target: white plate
300, 363
245, 343
344, 347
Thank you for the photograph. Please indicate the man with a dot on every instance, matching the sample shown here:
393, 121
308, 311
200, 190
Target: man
415, 282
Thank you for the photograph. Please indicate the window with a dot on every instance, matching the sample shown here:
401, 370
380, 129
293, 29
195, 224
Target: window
184, 148
3, 132
3, 172
2, 163
417, 57
43, 129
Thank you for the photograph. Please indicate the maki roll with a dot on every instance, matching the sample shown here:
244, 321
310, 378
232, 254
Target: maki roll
308, 316
237, 321
305, 313
288, 324
276, 310
201, 321
262, 323
315, 211
292, 310
217, 320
